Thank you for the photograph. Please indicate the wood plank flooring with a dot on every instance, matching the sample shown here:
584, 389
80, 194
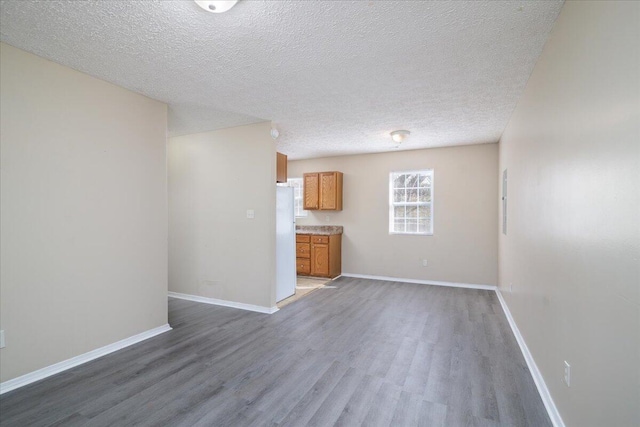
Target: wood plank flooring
367, 352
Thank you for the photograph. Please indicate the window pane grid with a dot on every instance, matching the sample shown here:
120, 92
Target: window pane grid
410, 205
298, 191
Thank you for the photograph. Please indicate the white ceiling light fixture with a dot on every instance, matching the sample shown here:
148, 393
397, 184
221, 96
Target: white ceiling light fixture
275, 133
216, 6
400, 135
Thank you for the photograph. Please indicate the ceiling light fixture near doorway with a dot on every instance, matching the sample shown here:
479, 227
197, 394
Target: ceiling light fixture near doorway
275, 133
400, 135
216, 6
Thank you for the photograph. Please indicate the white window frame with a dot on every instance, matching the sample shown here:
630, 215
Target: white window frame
297, 208
393, 204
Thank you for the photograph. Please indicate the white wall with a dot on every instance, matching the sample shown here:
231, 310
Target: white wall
464, 246
83, 213
572, 252
215, 251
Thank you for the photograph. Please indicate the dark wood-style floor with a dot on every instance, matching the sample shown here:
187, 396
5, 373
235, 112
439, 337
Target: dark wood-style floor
365, 353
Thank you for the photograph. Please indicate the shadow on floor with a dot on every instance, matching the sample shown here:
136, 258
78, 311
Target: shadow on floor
304, 286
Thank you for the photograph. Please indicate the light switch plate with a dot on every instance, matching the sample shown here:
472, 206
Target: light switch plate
1, 339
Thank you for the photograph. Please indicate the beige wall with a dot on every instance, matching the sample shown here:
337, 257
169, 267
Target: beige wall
572, 253
464, 245
215, 251
83, 213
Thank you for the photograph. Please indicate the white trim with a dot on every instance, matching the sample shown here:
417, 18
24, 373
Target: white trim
402, 233
224, 303
545, 395
79, 360
552, 410
291, 182
422, 282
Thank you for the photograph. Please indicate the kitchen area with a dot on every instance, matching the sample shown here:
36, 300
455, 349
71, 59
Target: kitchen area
308, 257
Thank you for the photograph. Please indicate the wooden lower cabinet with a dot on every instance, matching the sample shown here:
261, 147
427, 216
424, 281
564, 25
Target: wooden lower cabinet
303, 266
319, 255
320, 259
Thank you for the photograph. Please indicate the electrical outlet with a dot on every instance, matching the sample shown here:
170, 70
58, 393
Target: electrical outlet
567, 373
424, 262
1, 339
251, 214
327, 218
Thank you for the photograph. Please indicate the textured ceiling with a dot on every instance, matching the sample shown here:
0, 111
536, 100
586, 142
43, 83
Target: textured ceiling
335, 76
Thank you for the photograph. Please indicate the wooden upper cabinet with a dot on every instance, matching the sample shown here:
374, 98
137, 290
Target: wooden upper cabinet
281, 167
311, 191
329, 191
323, 191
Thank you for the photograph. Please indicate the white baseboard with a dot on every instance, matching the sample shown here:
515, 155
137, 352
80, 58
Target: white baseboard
79, 360
225, 303
422, 282
552, 410
550, 406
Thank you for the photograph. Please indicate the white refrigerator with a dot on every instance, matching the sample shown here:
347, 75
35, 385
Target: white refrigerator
285, 243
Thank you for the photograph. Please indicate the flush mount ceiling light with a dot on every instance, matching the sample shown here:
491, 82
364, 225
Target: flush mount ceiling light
275, 133
400, 135
216, 6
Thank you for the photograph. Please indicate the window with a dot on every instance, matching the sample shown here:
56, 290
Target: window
411, 202
298, 194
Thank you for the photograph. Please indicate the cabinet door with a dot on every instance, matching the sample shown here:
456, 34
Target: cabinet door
311, 191
281, 167
331, 191
328, 190
320, 260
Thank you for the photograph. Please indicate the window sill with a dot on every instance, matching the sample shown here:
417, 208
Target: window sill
398, 233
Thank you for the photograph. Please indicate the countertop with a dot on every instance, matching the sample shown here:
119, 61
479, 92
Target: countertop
326, 230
